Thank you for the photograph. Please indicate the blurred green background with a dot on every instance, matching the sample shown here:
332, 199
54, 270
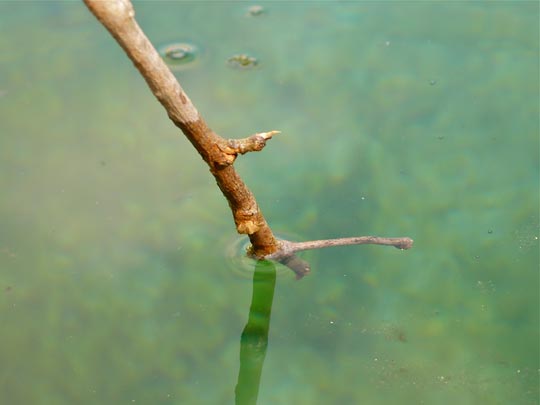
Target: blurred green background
411, 119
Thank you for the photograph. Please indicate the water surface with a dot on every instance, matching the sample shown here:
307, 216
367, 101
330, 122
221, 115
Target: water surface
397, 118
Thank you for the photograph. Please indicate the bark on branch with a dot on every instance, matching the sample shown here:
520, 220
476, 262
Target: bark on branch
118, 17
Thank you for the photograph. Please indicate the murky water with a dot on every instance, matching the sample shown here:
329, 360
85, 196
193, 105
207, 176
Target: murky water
397, 118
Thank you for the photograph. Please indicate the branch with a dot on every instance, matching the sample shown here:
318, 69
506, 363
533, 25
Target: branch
118, 17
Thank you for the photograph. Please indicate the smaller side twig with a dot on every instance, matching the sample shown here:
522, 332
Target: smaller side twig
399, 243
286, 253
253, 143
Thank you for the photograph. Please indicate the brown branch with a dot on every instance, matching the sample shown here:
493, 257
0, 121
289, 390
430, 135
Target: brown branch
118, 17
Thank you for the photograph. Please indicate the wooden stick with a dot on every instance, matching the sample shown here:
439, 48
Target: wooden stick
118, 17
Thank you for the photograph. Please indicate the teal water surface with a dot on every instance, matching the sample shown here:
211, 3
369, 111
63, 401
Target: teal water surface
403, 118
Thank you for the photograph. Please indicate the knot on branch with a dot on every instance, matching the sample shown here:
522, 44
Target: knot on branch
247, 227
249, 220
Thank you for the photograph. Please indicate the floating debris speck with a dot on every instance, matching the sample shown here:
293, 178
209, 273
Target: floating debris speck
242, 61
256, 10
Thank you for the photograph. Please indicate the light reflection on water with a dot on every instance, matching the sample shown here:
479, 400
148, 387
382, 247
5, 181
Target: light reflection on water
397, 119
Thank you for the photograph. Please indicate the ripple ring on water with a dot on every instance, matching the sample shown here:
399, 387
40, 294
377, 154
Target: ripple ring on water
179, 54
243, 266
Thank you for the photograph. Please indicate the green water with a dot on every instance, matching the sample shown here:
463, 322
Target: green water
411, 119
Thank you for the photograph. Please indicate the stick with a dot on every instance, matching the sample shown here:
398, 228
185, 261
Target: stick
118, 17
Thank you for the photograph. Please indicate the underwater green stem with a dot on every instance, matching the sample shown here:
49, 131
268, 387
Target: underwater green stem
254, 339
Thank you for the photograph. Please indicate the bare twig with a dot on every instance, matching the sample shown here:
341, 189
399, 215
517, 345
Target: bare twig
118, 17
286, 254
292, 247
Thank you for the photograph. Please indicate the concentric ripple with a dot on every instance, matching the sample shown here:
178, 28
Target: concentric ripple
243, 266
179, 55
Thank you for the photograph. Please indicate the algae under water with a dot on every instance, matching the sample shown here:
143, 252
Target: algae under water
397, 118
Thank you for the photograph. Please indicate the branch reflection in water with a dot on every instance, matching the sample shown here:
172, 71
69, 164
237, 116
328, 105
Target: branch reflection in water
254, 338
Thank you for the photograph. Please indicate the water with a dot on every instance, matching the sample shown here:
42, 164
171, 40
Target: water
398, 119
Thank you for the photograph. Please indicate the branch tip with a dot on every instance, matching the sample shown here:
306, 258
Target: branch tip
269, 134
